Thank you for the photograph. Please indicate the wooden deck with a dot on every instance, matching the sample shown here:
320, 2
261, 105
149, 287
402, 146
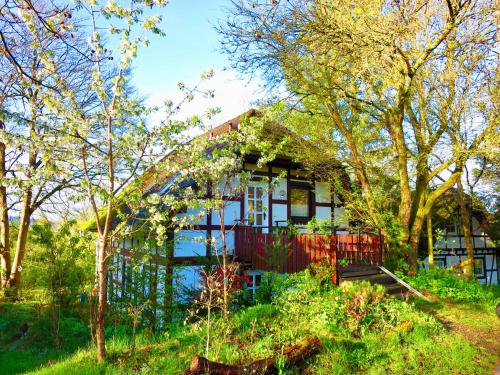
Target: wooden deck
285, 253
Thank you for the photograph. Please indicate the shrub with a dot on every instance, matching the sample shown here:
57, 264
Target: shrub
271, 284
367, 308
353, 308
448, 285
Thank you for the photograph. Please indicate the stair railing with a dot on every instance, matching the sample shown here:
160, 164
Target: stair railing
405, 284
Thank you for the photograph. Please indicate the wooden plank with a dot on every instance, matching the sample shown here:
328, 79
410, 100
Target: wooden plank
303, 252
309, 251
303, 249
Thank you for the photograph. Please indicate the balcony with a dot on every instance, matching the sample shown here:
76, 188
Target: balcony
286, 252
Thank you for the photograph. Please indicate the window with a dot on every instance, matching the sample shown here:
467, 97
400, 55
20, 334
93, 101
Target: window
439, 263
299, 202
256, 206
322, 192
452, 227
479, 267
255, 278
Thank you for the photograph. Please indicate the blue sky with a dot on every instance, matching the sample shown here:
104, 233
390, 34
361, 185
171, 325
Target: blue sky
189, 48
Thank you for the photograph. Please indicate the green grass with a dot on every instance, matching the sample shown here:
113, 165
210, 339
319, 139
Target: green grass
361, 331
37, 347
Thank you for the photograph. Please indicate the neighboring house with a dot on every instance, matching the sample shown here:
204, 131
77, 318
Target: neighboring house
449, 241
295, 198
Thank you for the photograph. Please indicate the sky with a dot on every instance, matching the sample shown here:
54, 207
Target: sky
189, 48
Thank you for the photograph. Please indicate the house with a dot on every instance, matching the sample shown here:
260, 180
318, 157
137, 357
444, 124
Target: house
449, 241
277, 194
256, 225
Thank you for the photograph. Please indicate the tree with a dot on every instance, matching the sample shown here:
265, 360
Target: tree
215, 165
40, 61
413, 81
120, 155
465, 221
115, 142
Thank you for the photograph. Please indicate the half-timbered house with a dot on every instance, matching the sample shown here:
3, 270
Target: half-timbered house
449, 241
294, 198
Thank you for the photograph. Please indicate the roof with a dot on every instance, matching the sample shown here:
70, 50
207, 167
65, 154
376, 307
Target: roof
230, 125
225, 128
156, 181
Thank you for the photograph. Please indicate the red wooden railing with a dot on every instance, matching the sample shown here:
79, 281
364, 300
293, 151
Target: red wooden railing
287, 253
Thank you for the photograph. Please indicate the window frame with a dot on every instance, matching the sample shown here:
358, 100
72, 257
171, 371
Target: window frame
481, 260
440, 263
256, 277
306, 187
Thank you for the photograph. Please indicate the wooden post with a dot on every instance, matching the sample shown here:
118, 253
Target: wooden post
381, 247
358, 247
336, 263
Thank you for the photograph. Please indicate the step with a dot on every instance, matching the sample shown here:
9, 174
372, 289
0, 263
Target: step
379, 278
395, 288
351, 274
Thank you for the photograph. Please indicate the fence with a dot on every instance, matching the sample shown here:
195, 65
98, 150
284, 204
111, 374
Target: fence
288, 253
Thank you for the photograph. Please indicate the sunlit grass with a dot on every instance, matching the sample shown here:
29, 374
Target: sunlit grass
393, 337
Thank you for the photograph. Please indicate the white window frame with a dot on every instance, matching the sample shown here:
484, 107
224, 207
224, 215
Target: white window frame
254, 200
253, 286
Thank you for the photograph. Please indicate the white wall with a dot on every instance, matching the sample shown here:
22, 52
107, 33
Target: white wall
451, 242
279, 189
117, 273
489, 263
228, 188
279, 214
457, 242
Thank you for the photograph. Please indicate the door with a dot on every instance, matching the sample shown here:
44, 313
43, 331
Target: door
256, 206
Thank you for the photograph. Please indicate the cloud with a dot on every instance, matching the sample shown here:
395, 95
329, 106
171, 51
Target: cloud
233, 96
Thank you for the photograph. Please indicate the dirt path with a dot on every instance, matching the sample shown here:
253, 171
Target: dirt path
484, 332
483, 338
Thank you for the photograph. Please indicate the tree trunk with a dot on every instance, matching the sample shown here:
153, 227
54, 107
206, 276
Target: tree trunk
414, 240
5, 264
105, 242
22, 236
430, 242
292, 355
468, 266
26, 209
417, 214
425, 210
404, 212
225, 279
102, 290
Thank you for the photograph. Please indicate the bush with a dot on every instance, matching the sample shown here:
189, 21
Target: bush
448, 285
367, 308
352, 309
271, 284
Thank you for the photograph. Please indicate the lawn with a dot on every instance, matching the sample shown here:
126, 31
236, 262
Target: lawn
361, 331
